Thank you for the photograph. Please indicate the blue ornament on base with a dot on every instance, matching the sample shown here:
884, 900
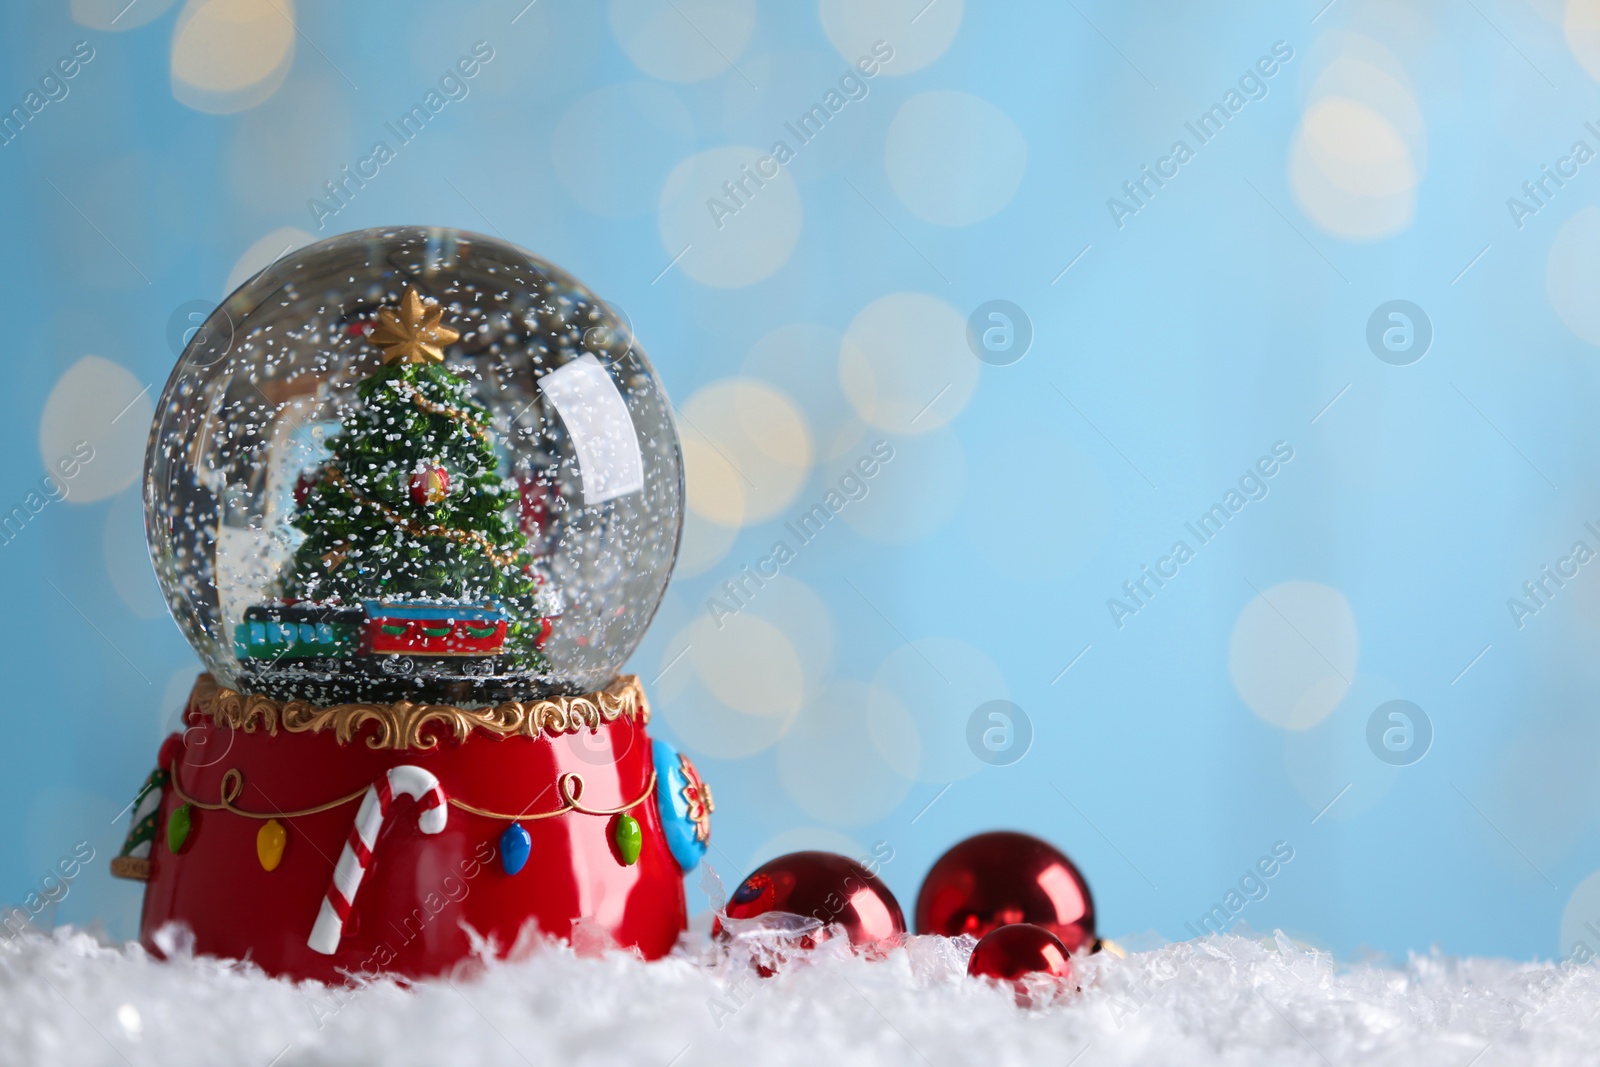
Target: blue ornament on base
685, 803
515, 845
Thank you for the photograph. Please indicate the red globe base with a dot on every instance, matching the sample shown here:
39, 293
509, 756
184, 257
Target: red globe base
421, 893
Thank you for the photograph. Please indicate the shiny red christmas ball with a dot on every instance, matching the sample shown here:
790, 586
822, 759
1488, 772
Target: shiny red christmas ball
999, 878
303, 486
429, 486
1010, 953
533, 507
823, 886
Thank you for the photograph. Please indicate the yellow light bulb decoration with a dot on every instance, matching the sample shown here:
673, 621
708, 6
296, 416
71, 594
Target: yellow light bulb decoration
270, 840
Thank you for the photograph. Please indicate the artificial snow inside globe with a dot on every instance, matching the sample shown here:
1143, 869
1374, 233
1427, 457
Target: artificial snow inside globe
413, 495
413, 464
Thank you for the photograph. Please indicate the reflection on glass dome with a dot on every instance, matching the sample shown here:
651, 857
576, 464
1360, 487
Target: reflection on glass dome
413, 464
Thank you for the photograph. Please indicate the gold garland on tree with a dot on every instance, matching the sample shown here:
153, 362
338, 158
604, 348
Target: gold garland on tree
415, 334
336, 476
404, 725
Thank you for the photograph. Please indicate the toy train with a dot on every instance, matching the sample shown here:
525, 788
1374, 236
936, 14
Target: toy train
382, 650
306, 630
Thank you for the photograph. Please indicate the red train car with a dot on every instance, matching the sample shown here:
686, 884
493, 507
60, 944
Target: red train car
434, 629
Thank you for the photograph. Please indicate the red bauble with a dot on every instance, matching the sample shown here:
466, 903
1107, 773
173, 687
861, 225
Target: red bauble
1010, 953
1000, 878
429, 486
826, 887
303, 486
533, 509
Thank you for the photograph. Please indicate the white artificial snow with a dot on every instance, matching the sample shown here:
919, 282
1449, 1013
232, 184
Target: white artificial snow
67, 998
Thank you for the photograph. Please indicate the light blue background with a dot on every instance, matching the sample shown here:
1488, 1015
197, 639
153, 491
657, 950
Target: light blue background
1223, 317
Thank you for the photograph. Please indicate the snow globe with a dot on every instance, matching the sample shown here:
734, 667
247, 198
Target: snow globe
413, 495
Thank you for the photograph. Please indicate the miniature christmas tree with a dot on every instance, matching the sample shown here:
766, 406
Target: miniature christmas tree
411, 506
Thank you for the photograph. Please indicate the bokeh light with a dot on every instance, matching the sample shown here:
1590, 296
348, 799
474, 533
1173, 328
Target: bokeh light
229, 55
694, 713
751, 451
1582, 27
1581, 917
612, 149
915, 31
1361, 147
263, 253
1572, 273
801, 359
703, 543
1293, 653
805, 839
748, 664
905, 364
682, 40
117, 16
127, 561
729, 219
826, 769
98, 416
1350, 171
1330, 764
954, 158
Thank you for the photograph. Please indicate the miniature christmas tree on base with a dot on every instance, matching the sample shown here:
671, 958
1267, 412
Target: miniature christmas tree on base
411, 549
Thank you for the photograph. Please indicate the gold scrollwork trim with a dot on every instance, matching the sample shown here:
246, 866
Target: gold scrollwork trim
406, 725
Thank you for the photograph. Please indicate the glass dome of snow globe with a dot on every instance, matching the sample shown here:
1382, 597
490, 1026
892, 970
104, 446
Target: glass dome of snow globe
413, 464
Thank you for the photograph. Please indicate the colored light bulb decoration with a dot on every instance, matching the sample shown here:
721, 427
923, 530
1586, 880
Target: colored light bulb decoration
515, 848
629, 839
179, 823
270, 840
413, 494
1020, 954
999, 878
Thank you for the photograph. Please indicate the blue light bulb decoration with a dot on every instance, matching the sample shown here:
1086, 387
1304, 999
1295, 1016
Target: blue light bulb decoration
515, 845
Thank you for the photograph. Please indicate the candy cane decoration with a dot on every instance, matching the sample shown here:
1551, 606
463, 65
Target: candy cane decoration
405, 780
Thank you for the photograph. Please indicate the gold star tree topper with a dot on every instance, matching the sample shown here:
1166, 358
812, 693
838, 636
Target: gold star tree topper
413, 334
